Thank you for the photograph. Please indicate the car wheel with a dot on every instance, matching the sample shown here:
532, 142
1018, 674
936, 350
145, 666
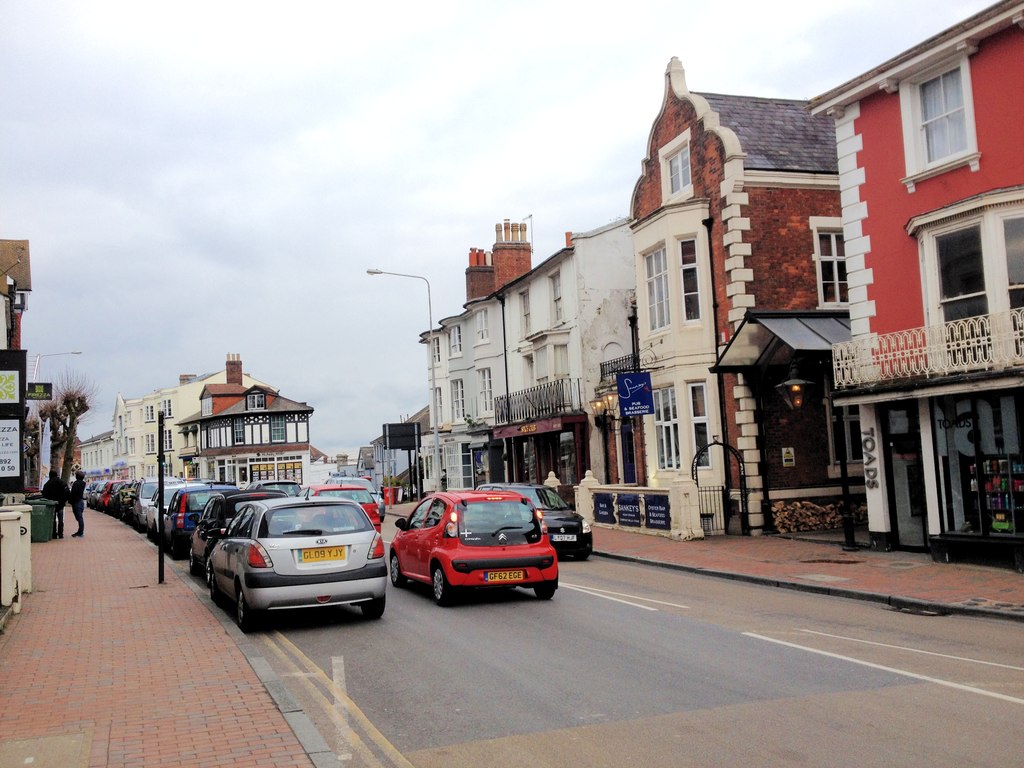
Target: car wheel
194, 566
397, 577
546, 590
177, 550
444, 592
245, 617
373, 609
211, 584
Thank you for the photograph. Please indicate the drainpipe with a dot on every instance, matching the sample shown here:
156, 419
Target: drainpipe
505, 442
708, 224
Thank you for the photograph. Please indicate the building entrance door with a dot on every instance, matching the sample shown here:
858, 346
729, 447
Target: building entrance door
905, 471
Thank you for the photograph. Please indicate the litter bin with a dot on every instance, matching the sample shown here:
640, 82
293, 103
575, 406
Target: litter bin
42, 518
389, 495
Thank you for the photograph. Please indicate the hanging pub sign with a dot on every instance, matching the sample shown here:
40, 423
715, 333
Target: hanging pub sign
628, 507
603, 510
658, 515
635, 395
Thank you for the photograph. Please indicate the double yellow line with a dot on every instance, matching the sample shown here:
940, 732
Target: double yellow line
365, 740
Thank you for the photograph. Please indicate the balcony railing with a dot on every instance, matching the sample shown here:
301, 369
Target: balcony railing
624, 364
982, 343
551, 399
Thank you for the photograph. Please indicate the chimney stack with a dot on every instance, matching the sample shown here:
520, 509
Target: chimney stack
233, 369
511, 257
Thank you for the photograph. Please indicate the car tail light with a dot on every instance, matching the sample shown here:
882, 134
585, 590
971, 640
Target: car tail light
179, 517
451, 529
376, 548
258, 557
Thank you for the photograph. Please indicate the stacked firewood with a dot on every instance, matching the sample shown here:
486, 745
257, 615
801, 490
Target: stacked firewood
790, 516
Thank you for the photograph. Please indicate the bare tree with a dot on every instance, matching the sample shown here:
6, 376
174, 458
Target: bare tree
73, 396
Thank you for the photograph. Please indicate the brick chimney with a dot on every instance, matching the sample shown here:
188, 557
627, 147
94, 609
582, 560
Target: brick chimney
511, 257
233, 369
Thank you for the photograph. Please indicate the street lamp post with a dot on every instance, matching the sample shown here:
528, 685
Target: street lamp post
35, 374
434, 416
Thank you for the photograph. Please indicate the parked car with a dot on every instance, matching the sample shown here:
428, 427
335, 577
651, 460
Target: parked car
124, 503
182, 512
108, 497
92, 491
290, 487
471, 539
145, 498
354, 493
366, 483
214, 519
570, 533
293, 553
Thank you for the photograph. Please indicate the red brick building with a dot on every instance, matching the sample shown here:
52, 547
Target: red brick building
740, 275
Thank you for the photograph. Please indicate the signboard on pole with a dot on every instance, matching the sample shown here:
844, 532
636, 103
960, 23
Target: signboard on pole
402, 437
636, 398
39, 390
12, 420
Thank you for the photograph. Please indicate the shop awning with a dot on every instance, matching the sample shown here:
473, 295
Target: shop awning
771, 337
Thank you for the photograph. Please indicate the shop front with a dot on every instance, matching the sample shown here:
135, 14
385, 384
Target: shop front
945, 472
533, 449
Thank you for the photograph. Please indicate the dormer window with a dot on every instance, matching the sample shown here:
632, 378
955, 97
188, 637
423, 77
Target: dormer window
256, 401
676, 176
207, 406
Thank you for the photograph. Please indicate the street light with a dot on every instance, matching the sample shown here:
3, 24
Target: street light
35, 374
434, 416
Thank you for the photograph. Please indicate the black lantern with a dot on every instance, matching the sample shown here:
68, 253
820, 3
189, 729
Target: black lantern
793, 389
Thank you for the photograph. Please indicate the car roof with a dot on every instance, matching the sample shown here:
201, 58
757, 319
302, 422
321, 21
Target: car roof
476, 496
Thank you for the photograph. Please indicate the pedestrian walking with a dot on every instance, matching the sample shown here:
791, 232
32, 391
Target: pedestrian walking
77, 499
56, 490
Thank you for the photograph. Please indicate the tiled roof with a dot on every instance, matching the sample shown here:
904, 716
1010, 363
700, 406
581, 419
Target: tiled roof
778, 134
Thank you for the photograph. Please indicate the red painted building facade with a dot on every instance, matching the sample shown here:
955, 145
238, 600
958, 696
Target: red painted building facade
932, 174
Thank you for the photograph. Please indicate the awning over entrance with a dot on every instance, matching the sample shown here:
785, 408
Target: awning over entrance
770, 337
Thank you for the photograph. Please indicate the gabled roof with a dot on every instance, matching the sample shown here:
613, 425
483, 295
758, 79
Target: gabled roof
778, 134
278, 405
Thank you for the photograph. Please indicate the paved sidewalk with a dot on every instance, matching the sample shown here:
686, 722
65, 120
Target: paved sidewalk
905, 580
106, 667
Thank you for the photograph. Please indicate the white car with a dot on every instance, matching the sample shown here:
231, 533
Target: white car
145, 498
286, 553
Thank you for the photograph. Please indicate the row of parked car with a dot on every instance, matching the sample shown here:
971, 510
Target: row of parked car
276, 545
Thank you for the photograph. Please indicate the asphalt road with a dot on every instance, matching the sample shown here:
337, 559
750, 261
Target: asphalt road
635, 665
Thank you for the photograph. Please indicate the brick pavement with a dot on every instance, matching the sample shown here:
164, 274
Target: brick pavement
106, 667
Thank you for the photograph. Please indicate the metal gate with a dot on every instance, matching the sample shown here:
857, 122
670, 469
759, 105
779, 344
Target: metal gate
714, 500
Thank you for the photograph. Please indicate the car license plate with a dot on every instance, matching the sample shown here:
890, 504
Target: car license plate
563, 537
496, 576
323, 554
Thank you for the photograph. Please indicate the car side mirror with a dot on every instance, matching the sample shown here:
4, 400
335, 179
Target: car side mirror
402, 524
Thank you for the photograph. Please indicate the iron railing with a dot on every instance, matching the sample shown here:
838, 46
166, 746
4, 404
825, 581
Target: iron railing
553, 398
624, 364
982, 343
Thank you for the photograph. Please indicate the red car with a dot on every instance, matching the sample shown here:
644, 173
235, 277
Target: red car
356, 493
474, 539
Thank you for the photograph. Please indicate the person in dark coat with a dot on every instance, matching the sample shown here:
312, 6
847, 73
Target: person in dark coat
77, 499
56, 490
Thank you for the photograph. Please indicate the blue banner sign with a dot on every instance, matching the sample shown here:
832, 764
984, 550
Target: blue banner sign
603, 512
635, 395
658, 514
628, 507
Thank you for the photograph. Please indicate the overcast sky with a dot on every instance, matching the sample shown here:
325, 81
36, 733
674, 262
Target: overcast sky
204, 178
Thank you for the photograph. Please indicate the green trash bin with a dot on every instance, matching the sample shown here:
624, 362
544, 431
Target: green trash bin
42, 518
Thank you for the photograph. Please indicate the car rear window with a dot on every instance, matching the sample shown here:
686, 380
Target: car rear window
482, 524
313, 520
353, 494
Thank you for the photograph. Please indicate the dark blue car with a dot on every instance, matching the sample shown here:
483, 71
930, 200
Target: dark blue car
183, 511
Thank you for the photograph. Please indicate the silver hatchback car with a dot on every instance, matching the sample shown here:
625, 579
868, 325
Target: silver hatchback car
292, 553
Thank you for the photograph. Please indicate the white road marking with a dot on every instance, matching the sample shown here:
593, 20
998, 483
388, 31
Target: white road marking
607, 595
916, 650
893, 670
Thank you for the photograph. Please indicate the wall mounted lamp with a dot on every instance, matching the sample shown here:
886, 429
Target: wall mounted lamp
604, 408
